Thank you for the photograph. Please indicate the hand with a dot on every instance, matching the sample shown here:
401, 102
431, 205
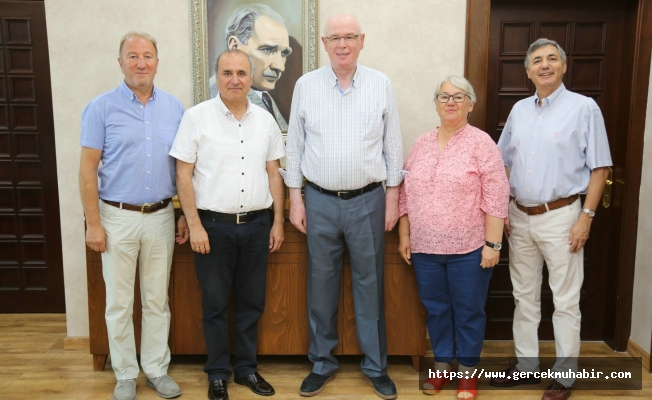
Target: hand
391, 207
298, 216
276, 236
391, 217
96, 238
404, 249
508, 228
183, 232
490, 257
199, 240
579, 233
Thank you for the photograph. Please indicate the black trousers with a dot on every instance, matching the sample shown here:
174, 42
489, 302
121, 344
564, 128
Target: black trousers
238, 256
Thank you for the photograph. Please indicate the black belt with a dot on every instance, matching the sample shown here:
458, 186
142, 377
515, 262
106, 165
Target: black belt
347, 194
241, 218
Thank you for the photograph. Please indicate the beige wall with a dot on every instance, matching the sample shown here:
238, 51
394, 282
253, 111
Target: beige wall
84, 35
642, 307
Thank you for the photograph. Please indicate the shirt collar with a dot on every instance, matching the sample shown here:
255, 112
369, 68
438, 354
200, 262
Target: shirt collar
130, 93
225, 110
334, 81
550, 99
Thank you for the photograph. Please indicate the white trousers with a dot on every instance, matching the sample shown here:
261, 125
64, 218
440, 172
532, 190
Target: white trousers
534, 239
148, 239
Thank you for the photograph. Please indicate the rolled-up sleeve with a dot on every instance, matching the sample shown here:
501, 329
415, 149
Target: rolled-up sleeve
392, 142
493, 180
295, 145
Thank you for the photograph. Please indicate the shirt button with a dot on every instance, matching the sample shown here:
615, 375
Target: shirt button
147, 122
243, 158
242, 190
148, 138
529, 172
243, 173
148, 155
141, 106
241, 206
148, 172
147, 188
240, 125
532, 152
528, 190
539, 116
242, 141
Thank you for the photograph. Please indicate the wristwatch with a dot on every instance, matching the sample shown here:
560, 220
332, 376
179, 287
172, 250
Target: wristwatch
589, 212
495, 246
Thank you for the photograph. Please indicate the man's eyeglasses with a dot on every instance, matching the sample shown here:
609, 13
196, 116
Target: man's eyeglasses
458, 98
349, 39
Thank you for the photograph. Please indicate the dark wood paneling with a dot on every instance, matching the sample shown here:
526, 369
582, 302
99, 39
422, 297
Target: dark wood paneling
28, 173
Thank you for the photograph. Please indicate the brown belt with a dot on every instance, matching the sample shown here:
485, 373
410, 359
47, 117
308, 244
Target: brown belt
145, 208
543, 208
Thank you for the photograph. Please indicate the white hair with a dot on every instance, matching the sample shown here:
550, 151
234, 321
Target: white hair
460, 83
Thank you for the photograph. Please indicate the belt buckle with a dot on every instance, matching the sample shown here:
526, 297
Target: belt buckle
142, 208
237, 218
339, 194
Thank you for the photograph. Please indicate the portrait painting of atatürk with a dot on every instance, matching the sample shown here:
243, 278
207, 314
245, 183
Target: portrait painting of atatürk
270, 31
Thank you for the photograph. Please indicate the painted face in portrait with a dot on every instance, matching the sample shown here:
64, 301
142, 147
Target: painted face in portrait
233, 78
343, 53
546, 69
268, 47
138, 61
453, 114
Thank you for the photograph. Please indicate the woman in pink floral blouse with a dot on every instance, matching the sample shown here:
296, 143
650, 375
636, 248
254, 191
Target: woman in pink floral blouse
452, 204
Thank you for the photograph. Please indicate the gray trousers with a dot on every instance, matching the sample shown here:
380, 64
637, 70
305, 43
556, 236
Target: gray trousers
360, 224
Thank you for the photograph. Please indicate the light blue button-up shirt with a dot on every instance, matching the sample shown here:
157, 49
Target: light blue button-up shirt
135, 140
551, 150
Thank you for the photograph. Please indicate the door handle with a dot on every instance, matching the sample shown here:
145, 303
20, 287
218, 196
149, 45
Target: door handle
606, 193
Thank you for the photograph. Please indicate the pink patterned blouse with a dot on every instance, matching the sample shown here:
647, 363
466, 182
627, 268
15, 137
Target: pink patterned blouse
447, 195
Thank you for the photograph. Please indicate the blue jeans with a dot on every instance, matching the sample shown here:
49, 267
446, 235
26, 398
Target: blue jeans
453, 289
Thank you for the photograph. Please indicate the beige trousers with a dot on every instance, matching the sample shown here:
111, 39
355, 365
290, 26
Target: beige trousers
149, 240
535, 239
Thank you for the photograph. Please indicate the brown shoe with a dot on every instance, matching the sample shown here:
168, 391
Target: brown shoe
556, 391
511, 377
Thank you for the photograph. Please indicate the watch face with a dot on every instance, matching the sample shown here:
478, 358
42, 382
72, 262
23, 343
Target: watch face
589, 212
498, 246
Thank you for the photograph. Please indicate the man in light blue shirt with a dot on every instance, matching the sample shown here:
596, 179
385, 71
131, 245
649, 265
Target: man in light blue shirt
555, 148
129, 213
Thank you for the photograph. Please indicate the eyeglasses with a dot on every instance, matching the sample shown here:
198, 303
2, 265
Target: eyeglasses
349, 39
458, 98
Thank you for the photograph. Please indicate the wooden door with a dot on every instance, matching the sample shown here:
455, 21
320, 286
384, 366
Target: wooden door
31, 270
592, 34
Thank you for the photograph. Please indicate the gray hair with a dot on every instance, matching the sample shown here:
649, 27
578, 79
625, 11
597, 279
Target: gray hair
458, 82
541, 42
357, 20
143, 35
235, 51
241, 23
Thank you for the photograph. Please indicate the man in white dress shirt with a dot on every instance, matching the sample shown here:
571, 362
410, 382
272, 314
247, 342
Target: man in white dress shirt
344, 137
228, 155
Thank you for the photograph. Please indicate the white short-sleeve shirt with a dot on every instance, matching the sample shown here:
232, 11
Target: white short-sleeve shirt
230, 156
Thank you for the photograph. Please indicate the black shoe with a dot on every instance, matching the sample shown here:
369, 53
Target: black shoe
217, 390
383, 386
314, 384
256, 383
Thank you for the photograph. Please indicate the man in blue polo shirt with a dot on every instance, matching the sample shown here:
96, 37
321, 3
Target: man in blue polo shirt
129, 213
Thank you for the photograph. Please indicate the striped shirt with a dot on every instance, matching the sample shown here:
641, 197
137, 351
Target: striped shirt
551, 150
343, 140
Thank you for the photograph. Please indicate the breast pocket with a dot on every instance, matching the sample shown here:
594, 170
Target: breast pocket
166, 136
